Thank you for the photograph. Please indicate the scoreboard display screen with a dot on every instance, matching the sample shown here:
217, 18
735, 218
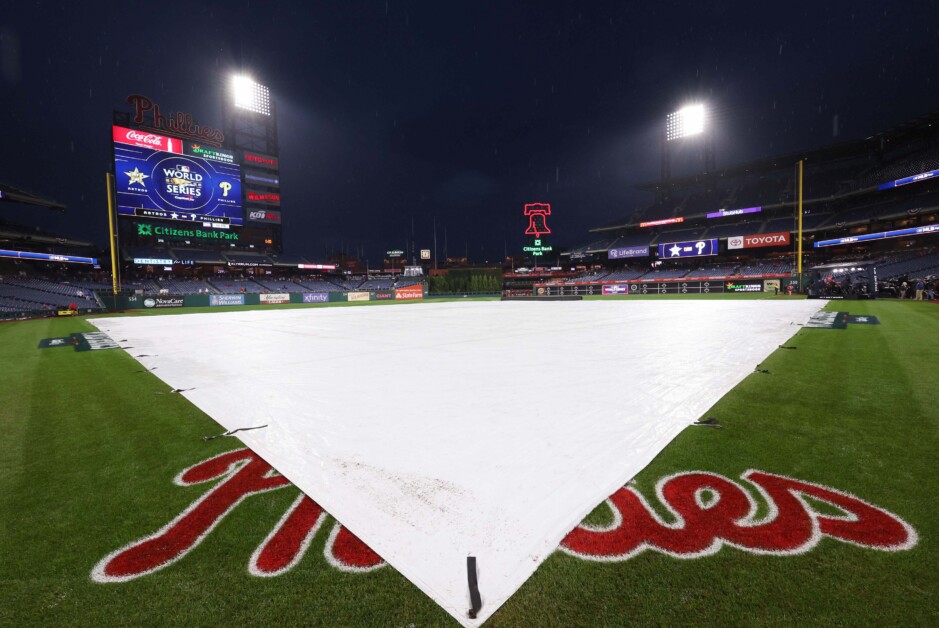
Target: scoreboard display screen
694, 248
166, 178
638, 287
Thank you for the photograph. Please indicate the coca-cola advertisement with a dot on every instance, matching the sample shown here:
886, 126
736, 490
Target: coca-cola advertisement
146, 139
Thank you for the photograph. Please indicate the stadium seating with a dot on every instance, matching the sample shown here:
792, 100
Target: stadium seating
316, 284
235, 286
378, 283
185, 286
404, 282
667, 273
624, 274
279, 285
32, 294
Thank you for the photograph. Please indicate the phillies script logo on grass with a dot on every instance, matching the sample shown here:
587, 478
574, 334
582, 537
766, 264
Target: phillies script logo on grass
707, 510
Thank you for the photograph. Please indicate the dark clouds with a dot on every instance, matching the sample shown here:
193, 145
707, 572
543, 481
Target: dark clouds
393, 111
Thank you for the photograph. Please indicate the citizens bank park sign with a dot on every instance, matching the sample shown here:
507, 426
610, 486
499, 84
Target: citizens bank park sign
780, 238
706, 513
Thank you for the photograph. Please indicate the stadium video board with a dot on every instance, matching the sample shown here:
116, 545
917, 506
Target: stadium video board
694, 248
167, 178
882, 235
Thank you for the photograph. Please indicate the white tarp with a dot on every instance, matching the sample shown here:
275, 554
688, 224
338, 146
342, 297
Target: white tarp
438, 431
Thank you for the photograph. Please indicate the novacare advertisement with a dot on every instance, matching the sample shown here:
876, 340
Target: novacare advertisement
409, 292
226, 299
275, 298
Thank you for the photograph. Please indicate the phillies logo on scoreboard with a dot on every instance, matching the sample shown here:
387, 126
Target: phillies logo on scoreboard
707, 511
146, 139
780, 238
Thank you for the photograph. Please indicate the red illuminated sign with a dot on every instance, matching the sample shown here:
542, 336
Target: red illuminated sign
664, 221
317, 266
178, 123
537, 222
146, 139
263, 197
264, 161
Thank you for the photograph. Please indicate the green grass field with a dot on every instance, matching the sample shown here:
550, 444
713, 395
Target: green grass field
90, 450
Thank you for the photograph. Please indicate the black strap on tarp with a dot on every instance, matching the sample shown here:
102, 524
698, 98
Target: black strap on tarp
240, 429
475, 602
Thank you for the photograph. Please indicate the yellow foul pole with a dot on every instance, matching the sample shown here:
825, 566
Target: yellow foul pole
112, 235
799, 234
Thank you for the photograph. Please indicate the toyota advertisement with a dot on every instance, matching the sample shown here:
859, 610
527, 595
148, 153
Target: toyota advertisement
167, 178
780, 238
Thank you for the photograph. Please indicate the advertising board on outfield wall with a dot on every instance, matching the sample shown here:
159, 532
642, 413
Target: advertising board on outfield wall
358, 296
315, 297
618, 288
275, 298
409, 292
152, 302
628, 251
743, 286
780, 238
226, 299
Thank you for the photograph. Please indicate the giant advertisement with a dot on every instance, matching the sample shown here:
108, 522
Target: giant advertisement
167, 178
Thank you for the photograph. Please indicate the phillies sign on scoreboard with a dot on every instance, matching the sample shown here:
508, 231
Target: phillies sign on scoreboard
161, 177
780, 238
694, 248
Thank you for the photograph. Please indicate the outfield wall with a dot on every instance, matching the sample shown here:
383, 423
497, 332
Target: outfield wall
661, 286
172, 301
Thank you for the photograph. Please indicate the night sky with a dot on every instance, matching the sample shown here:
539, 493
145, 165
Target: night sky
392, 112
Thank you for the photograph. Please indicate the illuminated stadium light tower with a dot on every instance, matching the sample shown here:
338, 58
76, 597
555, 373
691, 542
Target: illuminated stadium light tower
249, 120
250, 117
250, 95
687, 123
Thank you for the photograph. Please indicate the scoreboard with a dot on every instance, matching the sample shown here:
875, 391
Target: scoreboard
646, 287
161, 177
692, 248
676, 287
